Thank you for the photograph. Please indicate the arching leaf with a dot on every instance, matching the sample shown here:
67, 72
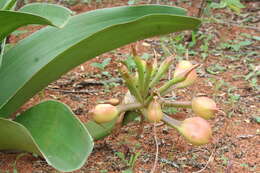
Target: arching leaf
44, 56
50, 130
36, 13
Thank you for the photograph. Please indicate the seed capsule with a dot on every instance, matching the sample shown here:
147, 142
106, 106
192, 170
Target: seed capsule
190, 79
103, 113
196, 130
204, 107
154, 112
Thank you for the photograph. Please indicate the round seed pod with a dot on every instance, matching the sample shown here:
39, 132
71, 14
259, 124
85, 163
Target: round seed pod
196, 130
190, 79
204, 107
103, 113
154, 111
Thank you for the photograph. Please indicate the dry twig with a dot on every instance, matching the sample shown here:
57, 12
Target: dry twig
157, 149
209, 160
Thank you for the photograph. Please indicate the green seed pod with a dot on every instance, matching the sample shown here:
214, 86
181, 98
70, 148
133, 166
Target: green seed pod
154, 111
103, 113
196, 130
190, 79
204, 107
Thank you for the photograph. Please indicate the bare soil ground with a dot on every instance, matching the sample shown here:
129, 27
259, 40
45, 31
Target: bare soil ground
236, 144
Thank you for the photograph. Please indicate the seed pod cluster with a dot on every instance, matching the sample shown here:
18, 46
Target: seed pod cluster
146, 87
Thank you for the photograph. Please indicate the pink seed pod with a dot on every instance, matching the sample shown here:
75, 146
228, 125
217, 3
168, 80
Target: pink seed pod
154, 111
190, 79
196, 130
103, 113
204, 107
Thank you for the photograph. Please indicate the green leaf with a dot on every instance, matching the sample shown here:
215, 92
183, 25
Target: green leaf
2, 49
222, 4
58, 15
128, 171
7, 4
36, 13
130, 116
99, 131
257, 38
49, 53
50, 130
257, 119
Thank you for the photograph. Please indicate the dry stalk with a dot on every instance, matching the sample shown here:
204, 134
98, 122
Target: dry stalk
157, 148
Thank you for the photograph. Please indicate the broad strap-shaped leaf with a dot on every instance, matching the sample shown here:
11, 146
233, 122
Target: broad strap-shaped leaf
58, 15
7, 4
36, 13
99, 131
47, 54
2, 49
50, 130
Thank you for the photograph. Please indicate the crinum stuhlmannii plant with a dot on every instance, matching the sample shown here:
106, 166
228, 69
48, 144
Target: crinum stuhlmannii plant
50, 129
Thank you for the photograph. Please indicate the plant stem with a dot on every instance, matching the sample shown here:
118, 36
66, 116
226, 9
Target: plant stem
181, 77
157, 149
127, 107
171, 121
148, 74
154, 65
177, 104
161, 71
130, 83
141, 73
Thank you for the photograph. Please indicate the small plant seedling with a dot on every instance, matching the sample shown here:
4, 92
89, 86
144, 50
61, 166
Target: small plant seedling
224, 160
215, 69
131, 161
129, 62
234, 5
236, 45
102, 65
170, 110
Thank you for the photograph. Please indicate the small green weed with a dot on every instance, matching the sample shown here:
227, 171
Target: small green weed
234, 5
215, 69
102, 65
129, 162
